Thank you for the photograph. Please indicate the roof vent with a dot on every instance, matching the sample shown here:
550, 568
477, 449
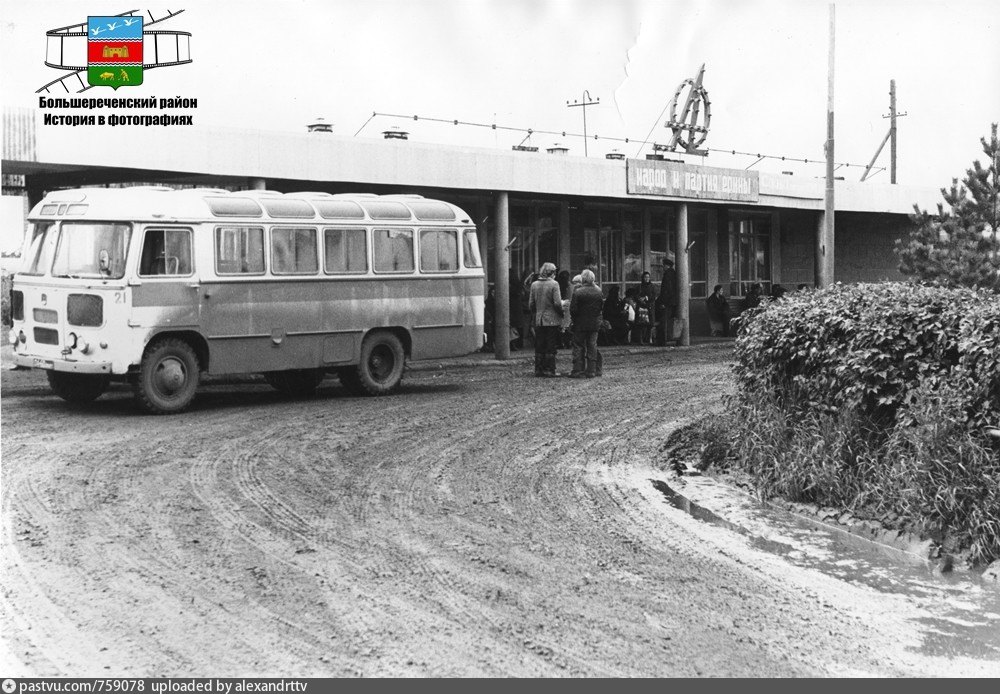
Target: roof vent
320, 125
557, 148
655, 157
395, 133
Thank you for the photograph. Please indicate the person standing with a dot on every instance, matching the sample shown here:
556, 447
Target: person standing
585, 309
645, 297
666, 304
545, 309
719, 313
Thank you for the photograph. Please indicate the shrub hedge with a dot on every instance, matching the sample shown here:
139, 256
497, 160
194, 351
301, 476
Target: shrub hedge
875, 397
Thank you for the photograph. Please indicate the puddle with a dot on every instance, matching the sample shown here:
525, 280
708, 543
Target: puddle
962, 615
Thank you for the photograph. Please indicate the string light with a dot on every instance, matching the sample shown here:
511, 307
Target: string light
626, 140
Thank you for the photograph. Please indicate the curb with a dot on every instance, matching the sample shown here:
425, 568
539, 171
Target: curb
902, 545
488, 359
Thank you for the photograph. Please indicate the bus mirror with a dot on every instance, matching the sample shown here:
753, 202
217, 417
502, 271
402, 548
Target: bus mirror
104, 259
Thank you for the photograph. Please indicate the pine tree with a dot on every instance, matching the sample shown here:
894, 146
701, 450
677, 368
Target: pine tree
961, 246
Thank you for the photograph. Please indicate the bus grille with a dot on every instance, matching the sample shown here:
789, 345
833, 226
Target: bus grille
45, 315
85, 310
46, 336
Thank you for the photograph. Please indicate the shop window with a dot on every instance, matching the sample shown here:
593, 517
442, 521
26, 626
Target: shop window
698, 253
749, 253
661, 241
632, 256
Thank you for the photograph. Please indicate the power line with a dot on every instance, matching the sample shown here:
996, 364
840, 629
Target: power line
626, 140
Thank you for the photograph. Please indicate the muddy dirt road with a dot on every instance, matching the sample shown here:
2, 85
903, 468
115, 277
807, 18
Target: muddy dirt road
480, 523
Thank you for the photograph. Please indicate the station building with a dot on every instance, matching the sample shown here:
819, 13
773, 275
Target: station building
733, 227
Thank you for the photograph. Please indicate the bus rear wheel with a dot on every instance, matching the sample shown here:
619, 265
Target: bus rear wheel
297, 382
168, 377
77, 388
382, 360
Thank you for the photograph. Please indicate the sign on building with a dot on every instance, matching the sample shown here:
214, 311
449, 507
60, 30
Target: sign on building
652, 177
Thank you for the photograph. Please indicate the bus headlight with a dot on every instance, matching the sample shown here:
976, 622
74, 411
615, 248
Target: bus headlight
12, 337
77, 342
21, 338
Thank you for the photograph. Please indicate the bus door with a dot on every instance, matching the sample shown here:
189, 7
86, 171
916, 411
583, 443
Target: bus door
166, 291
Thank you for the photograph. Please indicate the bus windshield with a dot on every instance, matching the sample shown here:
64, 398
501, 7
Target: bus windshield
87, 249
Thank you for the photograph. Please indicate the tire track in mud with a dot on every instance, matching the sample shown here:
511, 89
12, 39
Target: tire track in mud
482, 522
278, 521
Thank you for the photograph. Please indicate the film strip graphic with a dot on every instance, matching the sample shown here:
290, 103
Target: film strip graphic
66, 47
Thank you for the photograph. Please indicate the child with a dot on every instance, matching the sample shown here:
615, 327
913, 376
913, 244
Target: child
629, 314
643, 321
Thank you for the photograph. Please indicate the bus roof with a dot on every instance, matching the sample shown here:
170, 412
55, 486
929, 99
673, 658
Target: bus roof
162, 204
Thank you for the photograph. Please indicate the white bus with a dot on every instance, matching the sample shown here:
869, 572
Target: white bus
155, 287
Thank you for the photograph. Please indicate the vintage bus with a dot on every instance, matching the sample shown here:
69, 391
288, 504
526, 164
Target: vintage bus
157, 287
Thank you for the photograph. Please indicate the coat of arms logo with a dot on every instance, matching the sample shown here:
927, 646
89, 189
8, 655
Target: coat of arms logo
114, 51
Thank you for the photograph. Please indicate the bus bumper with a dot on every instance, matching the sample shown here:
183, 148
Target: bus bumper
90, 367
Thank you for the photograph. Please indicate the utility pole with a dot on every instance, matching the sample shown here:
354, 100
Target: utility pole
585, 103
892, 131
825, 245
890, 137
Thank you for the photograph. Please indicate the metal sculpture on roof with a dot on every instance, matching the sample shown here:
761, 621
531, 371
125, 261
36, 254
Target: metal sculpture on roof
690, 126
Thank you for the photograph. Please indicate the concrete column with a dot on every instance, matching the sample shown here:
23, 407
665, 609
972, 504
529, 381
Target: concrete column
501, 339
683, 274
257, 183
824, 250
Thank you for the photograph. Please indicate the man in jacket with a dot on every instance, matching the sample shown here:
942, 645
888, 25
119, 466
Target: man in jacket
585, 309
545, 308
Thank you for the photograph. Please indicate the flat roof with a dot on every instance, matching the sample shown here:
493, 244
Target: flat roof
132, 152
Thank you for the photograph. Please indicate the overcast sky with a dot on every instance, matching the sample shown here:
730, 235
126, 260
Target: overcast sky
278, 65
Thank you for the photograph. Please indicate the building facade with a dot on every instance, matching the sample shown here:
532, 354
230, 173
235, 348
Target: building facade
621, 216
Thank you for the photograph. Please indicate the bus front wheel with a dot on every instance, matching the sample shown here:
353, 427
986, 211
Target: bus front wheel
168, 377
382, 361
77, 388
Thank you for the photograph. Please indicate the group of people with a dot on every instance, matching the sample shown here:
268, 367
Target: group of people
547, 309
720, 314
643, 316
579, 309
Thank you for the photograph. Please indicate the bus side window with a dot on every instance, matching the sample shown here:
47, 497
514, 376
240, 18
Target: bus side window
393, 250
345, 251
166, 252
293, 250
239, 250
438, 250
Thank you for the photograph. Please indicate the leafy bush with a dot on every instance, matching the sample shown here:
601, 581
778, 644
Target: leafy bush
6, 320
865, 348
874, 397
